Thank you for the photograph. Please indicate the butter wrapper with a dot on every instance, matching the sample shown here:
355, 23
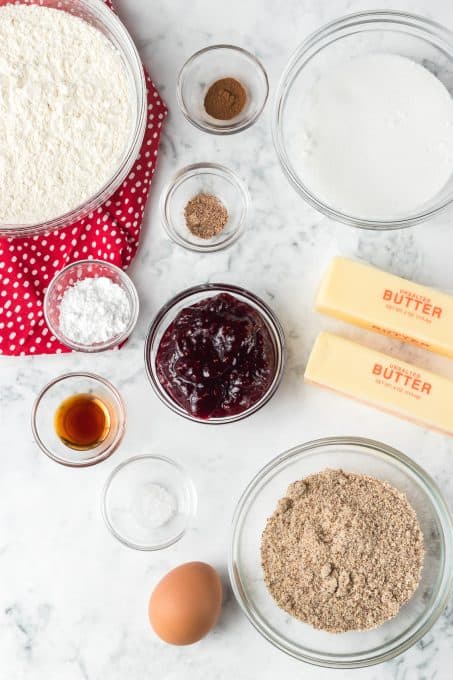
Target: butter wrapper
381, 381
373, 299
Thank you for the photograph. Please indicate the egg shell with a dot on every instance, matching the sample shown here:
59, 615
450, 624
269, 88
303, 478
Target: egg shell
186, 603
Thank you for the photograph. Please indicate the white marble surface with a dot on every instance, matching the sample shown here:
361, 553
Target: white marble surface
73, 600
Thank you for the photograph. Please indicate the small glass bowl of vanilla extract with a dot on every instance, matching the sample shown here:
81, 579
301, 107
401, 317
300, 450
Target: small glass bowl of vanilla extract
78, 419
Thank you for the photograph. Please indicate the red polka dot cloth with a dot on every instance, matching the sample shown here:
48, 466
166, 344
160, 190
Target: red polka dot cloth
112, 233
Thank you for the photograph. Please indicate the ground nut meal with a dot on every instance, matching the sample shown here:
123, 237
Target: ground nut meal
342, 551
64, 112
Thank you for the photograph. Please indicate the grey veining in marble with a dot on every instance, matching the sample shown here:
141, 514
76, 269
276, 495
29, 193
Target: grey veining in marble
72, 599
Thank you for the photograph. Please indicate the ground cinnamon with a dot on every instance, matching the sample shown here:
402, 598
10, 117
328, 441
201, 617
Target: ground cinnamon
225, 99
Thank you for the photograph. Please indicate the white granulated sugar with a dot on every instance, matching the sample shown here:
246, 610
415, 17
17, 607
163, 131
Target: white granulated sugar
377, 136
94, 310
64, 112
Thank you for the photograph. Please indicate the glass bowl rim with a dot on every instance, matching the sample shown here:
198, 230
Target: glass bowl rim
108, 344
211, 128
189, 486
390, 454
271, 320
310, 46
121, 419
131, 56
177, 180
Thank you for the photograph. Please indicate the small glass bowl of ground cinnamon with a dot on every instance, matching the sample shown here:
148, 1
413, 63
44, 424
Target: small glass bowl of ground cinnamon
204, 207
222, 89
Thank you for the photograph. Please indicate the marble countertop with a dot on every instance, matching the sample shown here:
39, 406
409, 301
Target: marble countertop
72, 599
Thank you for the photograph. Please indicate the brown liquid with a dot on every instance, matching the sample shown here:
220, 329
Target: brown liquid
82, 421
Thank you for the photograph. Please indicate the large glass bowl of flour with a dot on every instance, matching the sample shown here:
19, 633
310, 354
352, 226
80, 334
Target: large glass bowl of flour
129, 119
353, 649
363, 120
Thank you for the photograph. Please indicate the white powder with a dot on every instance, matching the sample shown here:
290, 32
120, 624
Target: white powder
155, 506
94, 310
64, 112
378, 136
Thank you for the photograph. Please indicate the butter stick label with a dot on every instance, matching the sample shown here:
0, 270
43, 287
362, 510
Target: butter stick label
411, 304
382, 381
401, 379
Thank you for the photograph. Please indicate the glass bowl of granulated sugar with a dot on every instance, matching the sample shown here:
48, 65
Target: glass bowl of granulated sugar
91, 306
341, 552
363, 119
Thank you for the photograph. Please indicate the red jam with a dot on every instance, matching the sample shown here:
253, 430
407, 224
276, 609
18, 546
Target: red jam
217, 358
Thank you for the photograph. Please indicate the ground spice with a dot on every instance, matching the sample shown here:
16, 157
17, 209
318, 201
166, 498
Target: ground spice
205, 216
342, 551
225, 99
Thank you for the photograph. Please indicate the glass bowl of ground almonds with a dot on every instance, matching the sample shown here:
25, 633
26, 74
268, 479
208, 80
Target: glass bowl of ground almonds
342, 552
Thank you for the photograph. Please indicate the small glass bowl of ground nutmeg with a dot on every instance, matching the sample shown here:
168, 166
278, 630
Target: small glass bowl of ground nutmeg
222, 89
342, 552
204, 207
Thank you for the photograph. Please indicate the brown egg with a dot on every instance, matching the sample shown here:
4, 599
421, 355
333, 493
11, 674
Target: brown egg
186, 603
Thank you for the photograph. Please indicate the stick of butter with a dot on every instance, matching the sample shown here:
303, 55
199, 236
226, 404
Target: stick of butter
381, 302
380, 380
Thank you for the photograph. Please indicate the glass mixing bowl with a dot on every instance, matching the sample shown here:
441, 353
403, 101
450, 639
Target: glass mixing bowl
97, 13
417, 38
352, 649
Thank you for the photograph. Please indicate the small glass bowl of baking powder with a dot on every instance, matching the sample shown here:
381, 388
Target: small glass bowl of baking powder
91, 306
204, 178
212, 64
148, 502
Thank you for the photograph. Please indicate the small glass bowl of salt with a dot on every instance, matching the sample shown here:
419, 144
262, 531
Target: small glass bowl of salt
91, 306
148, 502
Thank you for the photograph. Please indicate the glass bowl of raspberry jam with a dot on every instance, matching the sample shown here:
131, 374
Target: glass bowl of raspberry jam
215, 353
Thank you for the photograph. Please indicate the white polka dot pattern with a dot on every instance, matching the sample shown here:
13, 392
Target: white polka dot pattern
111, 233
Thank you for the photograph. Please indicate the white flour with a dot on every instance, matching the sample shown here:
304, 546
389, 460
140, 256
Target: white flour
94, 310
64, 112
378, 137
